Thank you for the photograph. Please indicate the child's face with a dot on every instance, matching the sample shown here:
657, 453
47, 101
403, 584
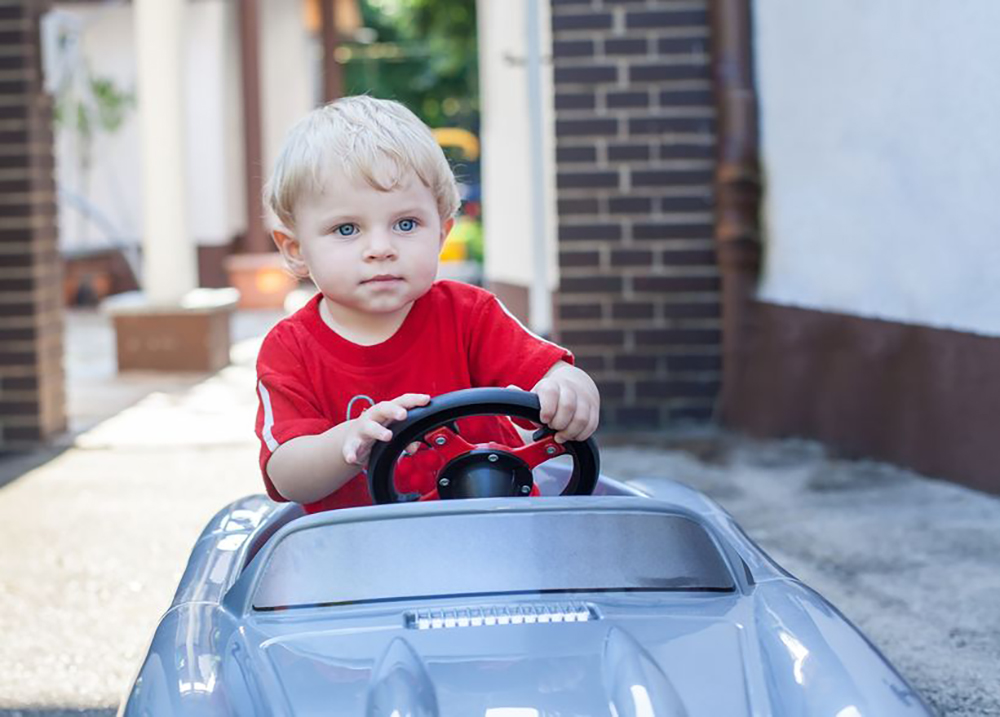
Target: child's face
369, 251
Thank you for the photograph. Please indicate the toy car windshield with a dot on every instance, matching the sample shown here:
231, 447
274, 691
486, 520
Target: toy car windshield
501, 553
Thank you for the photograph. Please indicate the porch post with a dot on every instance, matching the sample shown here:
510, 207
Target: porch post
169, 263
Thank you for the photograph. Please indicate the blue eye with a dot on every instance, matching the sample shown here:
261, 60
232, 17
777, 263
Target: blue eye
346, 230
406, 225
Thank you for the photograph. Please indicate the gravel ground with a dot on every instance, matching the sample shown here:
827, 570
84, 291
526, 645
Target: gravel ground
96, 535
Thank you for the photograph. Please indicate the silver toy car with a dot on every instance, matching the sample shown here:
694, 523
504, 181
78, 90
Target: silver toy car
613, 604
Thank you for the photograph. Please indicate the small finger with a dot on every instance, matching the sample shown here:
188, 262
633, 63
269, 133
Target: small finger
565, 411
375, 430
413, 448
386, 412
351, 452
412, 400
576, 430
548, 400
595, 419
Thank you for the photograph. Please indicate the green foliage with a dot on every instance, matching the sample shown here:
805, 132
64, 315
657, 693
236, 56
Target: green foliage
424, 56
103, 108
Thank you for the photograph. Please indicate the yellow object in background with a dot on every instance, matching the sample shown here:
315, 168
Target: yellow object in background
454, 248
463, 139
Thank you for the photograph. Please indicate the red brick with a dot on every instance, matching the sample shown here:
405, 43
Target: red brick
579, 258
692, 413
590, 284
661, 72
577, 206
586, 74
579, 311
576, 154
619, 100
632, 362
573, 48
631, 257
675, 283
687, 98
630, 205
580, 180
591, 363
611, 390
679, 337
667, 125
701, 203
632, 310
599, 232
683, 46
646, 20
592, 337
703, 258
693, 363
626, 152
575, 101
667, 178
707, 310
673, 230
626, 46
635, 416
602, 127
677, 389
588, 21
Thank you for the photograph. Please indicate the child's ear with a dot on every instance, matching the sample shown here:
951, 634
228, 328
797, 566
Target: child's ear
446, 229
291, 252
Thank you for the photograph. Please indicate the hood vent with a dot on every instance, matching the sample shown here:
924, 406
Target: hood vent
492, 615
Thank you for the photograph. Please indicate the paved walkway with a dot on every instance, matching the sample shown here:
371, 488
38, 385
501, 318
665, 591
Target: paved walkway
96, 532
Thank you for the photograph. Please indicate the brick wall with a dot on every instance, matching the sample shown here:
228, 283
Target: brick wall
32, 403
638, 300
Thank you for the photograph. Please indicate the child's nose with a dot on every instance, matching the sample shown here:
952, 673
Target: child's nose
380, 246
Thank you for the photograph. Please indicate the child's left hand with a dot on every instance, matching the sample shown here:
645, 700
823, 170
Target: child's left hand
570, 402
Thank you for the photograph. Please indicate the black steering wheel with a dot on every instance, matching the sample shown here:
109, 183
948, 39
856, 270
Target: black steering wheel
478, 470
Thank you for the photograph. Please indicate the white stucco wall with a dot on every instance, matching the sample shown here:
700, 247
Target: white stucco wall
504, 136
879, 122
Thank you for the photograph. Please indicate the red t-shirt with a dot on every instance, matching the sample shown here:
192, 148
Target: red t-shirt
456, 336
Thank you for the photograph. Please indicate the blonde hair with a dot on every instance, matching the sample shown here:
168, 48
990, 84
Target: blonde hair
379, 141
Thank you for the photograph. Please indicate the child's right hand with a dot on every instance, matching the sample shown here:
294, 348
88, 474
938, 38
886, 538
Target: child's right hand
370, 426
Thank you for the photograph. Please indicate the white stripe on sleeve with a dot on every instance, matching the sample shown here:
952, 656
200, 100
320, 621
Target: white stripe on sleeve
265, 401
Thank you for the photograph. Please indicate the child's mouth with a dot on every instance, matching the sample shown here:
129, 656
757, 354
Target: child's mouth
382, 279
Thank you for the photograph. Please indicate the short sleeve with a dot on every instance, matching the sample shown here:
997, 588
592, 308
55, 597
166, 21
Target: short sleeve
286, 402
503, 352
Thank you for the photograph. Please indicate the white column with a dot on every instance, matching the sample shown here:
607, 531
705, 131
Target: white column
169, 264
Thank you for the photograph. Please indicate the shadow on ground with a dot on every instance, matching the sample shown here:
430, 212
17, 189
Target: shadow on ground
15, 465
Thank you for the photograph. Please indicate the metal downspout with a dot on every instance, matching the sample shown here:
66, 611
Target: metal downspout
737, 190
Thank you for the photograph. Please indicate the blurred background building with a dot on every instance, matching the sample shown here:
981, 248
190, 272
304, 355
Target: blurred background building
731, 210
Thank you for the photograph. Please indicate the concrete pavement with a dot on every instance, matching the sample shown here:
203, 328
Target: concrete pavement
95, 532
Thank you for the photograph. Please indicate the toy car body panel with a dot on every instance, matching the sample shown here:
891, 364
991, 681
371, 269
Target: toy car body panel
615, 604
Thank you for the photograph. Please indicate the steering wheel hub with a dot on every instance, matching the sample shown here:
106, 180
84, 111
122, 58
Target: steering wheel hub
485, 474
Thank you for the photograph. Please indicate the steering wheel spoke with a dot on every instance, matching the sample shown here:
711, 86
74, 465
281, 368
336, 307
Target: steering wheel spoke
447, 443
539, 451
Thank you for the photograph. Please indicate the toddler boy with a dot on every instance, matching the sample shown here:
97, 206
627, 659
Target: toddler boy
365, 199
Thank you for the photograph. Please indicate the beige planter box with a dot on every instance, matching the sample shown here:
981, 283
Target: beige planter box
192, 335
